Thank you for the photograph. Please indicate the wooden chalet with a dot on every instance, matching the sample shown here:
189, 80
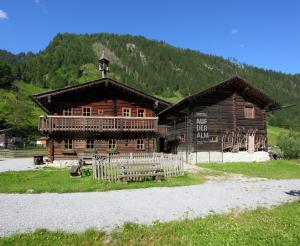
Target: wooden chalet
230, 116
98, 117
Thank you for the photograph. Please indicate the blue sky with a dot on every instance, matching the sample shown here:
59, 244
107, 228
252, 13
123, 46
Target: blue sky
263, 33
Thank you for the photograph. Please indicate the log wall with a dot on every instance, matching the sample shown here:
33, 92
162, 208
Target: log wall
225, 113
101, 104
258, 122
110, 107
57, 152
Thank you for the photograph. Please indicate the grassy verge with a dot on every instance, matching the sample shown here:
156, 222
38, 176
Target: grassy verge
274, 132
279, 226
277, 169
58, 180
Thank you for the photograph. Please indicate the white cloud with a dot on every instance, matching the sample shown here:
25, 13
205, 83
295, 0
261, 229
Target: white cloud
234, 31
41, 5
3, 15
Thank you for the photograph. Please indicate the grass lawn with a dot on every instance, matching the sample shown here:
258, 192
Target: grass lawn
276, 169
274, 132
58, 180
279, 226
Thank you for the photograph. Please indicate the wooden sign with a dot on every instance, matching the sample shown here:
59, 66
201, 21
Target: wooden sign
201, 127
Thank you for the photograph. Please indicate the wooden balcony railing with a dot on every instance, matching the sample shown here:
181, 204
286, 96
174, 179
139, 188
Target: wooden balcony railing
97, 123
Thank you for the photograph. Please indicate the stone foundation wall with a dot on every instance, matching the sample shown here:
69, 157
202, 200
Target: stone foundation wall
244, 156
63, 163
219, 157
198, 157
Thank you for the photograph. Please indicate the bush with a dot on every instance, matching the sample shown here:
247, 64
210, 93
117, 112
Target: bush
289, 145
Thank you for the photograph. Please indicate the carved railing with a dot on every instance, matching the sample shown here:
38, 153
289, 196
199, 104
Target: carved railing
55, 123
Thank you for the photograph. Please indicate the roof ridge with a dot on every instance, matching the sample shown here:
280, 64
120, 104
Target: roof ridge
212, 88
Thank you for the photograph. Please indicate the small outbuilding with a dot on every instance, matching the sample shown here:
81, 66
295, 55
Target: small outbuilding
12, 138
42, 142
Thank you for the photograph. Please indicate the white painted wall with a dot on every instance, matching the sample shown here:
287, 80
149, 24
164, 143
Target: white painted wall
200, 157
219, 157
244, 156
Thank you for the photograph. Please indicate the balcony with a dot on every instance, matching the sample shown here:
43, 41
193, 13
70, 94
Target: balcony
97, 124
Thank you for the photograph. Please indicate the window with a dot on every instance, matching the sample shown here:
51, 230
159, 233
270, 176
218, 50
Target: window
112, 143
140, 144
126, 142
90, 144
86, 111
68, 144
141, 113
126, 112
67, 111
100, 112
249, 112
213, 138
182, 138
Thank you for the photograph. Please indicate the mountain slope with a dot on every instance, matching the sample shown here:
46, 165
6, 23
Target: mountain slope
17, 110
152, 66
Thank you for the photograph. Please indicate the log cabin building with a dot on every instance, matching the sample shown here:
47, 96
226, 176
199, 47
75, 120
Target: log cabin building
231, 116
107, 116
98, 117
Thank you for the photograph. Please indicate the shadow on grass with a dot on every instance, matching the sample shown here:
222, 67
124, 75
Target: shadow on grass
293, 193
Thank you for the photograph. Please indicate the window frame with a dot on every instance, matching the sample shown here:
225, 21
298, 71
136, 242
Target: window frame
140, 144
68, 111
126, 142
247, 113
182, 138
68, 144
90, 144
112, 143
123, 111
213, 136
84, 113
141, 109
100, 112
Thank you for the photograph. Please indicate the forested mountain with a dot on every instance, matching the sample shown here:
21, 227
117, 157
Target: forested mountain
152, 66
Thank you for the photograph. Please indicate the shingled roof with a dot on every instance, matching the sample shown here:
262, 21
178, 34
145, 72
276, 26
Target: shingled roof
235, 82
42, 98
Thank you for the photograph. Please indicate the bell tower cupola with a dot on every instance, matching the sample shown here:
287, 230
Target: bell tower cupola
103, 65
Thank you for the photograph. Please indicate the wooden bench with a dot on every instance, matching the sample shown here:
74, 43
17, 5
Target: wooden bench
136, 171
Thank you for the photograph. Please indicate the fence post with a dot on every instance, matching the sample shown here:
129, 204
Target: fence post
93, 166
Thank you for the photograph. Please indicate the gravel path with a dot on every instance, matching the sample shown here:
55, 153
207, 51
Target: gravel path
17, 164
105, 210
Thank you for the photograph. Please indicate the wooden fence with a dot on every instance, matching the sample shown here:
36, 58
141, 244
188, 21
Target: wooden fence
22, 153
111, 167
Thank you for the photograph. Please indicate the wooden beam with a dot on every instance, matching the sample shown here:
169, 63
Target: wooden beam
234, 110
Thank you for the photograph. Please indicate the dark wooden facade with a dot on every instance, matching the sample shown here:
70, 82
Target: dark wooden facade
98, 117
228, 117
